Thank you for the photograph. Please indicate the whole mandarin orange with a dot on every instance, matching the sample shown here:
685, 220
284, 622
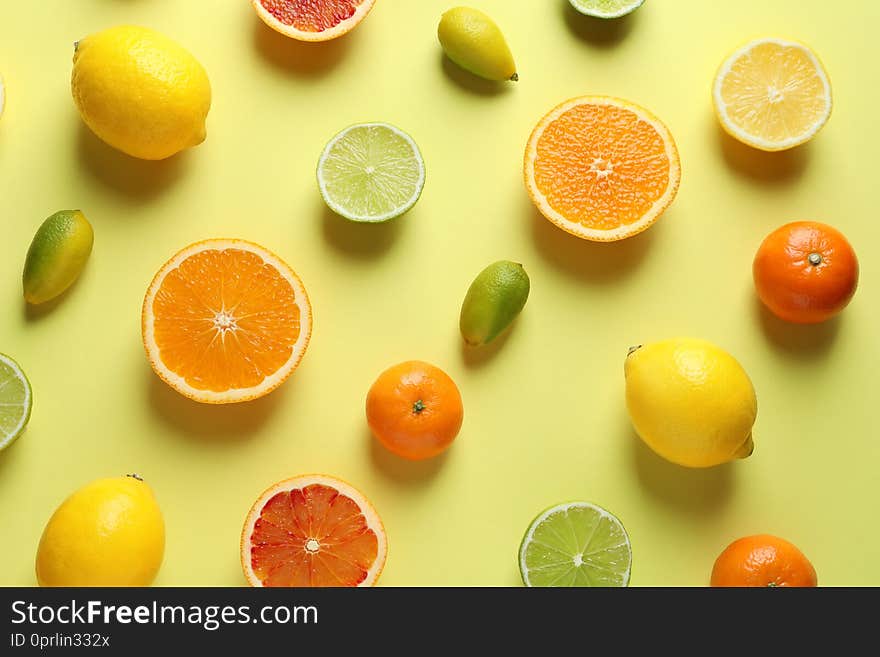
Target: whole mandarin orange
763, 560
806, 272
414, 409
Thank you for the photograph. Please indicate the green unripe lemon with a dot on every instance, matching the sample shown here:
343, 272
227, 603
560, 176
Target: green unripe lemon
473, 41
57, 255
493, 301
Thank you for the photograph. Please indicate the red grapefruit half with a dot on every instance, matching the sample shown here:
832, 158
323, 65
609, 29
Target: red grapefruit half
312, 20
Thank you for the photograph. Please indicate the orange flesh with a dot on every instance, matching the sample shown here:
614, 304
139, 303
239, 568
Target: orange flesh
311, 15
313, 536
601, 166
225, 319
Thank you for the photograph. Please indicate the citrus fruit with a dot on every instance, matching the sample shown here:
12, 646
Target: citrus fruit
313, 530
472, 40
312, 20
601, 168
575, 544
690, 401
226, 321
763, 560
57, 255
140, 92
108, 533
495, 298
371, 172
16, 400
772, 94
806, 272
414, 409
606, 8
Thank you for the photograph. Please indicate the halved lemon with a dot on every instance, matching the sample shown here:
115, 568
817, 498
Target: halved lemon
772, 94
225, 321
313, 530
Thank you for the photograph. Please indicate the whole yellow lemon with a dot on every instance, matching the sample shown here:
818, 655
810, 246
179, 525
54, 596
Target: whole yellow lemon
690, 401
140, 92
108, 533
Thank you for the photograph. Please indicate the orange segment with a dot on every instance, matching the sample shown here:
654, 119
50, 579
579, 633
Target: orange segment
225, 321
312, 20
313, 530
601, 168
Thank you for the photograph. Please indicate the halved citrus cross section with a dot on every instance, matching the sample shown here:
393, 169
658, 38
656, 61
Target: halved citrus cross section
601, 168
225, 321
772, 94
312, 20
313, 530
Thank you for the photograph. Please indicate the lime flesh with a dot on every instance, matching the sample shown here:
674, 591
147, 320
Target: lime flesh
371, 172
15, 401
606, 8
575, 544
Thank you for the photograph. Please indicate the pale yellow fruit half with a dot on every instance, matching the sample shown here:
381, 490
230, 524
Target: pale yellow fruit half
772, 94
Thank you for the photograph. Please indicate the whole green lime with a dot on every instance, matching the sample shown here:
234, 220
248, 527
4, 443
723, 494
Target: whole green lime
58, 253
497, 295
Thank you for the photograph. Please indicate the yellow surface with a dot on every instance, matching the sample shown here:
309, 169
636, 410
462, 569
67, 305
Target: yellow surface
545, 419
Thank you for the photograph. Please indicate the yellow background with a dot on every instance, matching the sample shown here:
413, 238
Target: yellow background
544, 408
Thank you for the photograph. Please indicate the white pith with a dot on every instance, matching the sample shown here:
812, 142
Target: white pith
367, 509
270, 382
753, 140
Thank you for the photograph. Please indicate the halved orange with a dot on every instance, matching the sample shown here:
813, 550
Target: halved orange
313, 530
312, 20
601, 168
225, 321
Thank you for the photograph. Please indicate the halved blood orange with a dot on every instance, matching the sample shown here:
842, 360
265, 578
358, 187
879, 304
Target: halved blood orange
312, 20
225, 321
601, 168
313, 530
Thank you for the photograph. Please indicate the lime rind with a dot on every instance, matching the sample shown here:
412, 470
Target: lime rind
575, 544
371, 172
16, 400
606, 8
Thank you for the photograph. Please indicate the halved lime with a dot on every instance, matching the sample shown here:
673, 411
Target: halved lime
575, 544
606, 8
371, 172
15, 401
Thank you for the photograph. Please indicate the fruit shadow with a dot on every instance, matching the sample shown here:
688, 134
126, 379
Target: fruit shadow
401, 470
298, 57
131, 177
473, 83
800, 341
597, 262
360, 239
477, 357
697, 491
212, 423
771, 168
600, 32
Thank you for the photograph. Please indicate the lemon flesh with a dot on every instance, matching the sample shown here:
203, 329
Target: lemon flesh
57, 255
494, 299
772, 94
690, 401
140, 92
108, 533
472, 40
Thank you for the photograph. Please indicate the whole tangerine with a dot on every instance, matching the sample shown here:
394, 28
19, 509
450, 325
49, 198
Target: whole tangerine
763, 560
806, 272
414, 409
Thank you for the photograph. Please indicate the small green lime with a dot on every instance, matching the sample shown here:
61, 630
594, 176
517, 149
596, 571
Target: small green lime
15, 401
57, 255
575, 544
606, 8
493, 301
